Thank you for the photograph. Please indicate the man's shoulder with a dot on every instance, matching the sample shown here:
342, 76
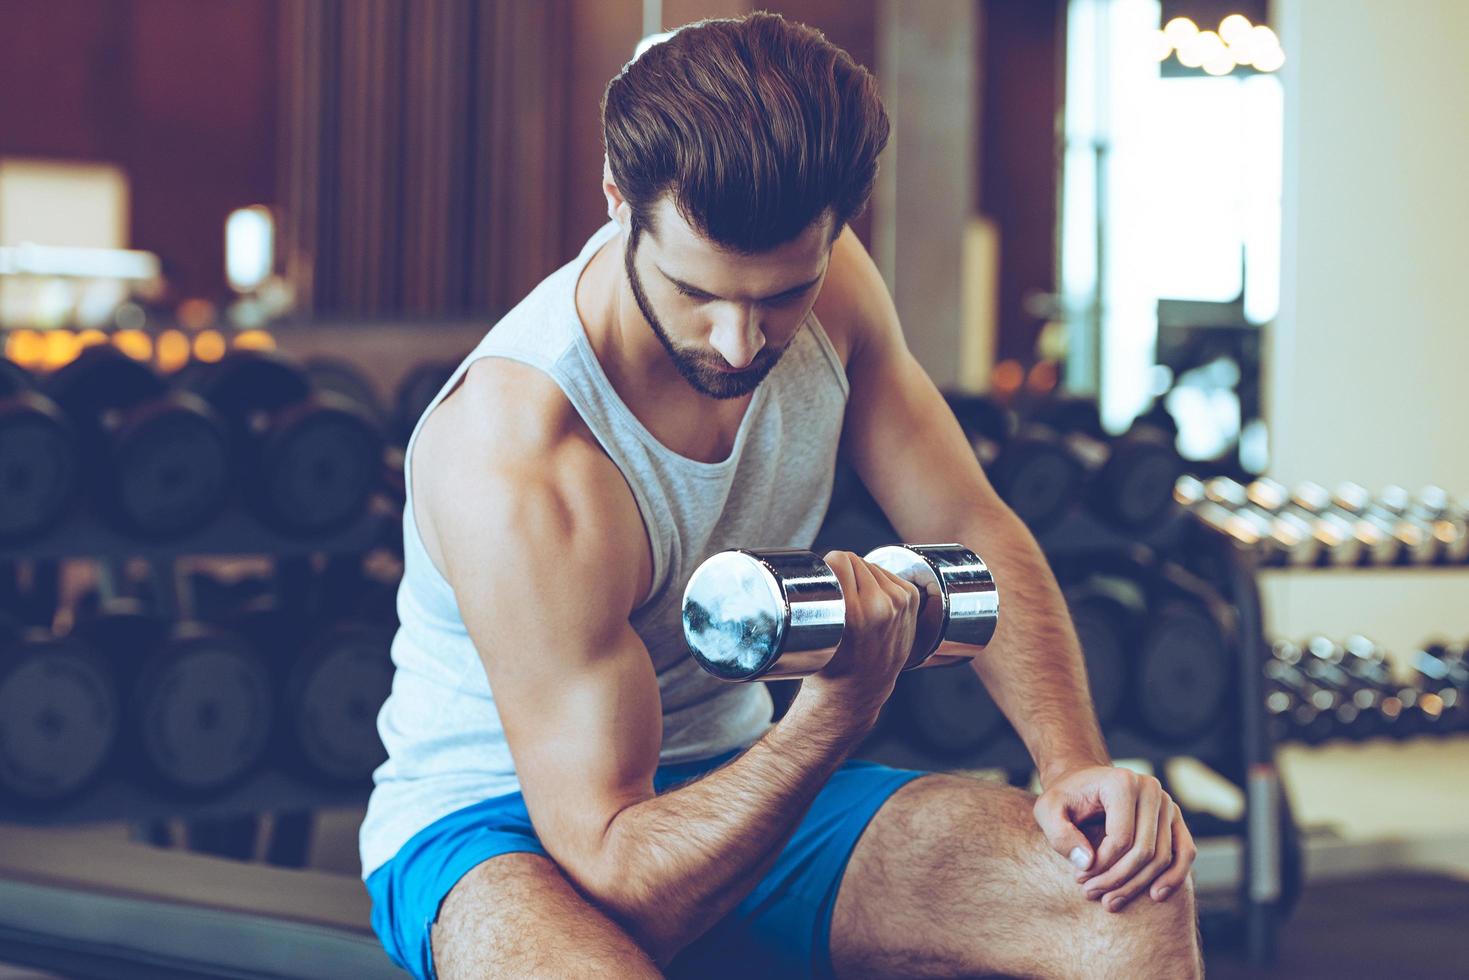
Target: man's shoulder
506, 411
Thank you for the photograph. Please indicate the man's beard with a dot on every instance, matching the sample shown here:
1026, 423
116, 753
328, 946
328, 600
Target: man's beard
693, 366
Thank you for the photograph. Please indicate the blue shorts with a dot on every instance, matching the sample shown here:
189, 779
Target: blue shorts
781, 929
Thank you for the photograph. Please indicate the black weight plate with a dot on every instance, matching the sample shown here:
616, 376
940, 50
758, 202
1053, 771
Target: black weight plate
248, 381
319, 466
947, 710
100, 378
339, 683
59, 719
344, 379
1103, 637
204, 711
172, 470
38, 467
1183, 671
1038, 479
13, 378
1136, 488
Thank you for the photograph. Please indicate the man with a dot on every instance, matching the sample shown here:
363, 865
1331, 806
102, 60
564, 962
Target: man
568, 794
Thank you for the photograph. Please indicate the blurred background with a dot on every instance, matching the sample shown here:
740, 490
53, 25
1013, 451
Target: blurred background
1188, 272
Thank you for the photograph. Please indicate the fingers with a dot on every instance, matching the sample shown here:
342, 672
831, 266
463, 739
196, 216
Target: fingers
1133, 818
1149, 872
1184, 853
1065, 837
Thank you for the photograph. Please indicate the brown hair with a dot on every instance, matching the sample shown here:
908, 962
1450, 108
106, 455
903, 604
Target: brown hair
757, 126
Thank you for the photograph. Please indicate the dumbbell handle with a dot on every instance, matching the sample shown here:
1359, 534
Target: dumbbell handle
781, 613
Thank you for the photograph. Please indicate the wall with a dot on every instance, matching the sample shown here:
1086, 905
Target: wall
1367, 361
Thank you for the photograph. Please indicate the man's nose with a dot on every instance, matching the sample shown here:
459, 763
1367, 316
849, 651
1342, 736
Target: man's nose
737, 337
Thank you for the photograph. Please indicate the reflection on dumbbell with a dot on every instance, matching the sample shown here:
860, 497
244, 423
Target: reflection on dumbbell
780, 612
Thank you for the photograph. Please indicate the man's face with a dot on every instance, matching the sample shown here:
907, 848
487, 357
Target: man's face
725, 319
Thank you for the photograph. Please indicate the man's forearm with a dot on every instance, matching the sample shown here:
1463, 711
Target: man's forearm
1033, 667
673, 865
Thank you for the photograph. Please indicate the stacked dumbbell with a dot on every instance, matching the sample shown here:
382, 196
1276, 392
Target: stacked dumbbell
38, 458
305, 459
1310, 526
1320, 690
1158, 652
1047, 459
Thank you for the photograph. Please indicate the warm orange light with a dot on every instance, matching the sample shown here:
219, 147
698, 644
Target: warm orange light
254, 340
91, 338
209, 346
134, 343
26, 348
62, 347
196, 314
1008, 377
1044, 376
173, 351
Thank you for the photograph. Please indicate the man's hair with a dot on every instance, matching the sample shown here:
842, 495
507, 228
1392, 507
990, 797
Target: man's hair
756, 127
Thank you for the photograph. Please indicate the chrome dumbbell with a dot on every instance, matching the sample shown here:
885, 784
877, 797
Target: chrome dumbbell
779, 612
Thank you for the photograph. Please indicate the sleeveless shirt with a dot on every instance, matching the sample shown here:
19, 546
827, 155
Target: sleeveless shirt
446, 747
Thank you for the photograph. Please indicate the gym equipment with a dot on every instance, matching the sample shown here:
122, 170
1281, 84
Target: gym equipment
1323, 663
1354, 543
59, 717
1353, 506
1184, 665
38, 458
1297, 708
198, 706
1441, 678
332, 696
1333, 535
1450, 525
946, 711
1129, 480
309, 460
1376, 695
160, 459
1392, 509
1286, 537
415, 391
345, 379
779, 612
332, 678
1107, 611
1029, 466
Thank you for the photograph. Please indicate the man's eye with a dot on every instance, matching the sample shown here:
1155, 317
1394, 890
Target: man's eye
786, 300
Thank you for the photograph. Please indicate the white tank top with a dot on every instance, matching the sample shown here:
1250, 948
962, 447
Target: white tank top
446, 747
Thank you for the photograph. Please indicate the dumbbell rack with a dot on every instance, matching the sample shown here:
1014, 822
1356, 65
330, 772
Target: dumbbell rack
1243, 749
83, 535
1264, 791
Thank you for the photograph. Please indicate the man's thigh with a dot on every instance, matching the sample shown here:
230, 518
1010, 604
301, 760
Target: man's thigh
953, 878
517, 916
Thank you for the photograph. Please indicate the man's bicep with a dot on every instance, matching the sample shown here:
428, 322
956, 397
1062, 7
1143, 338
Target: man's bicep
541, 578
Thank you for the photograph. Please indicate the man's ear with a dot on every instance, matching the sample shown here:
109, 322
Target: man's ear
617, 208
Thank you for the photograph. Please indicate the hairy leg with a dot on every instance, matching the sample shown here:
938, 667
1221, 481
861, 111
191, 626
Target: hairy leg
953, 878
516, 916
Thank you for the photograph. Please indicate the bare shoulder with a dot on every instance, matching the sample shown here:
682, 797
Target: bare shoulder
854, 299
506, 448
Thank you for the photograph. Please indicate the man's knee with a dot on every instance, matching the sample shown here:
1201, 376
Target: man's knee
1159, 937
